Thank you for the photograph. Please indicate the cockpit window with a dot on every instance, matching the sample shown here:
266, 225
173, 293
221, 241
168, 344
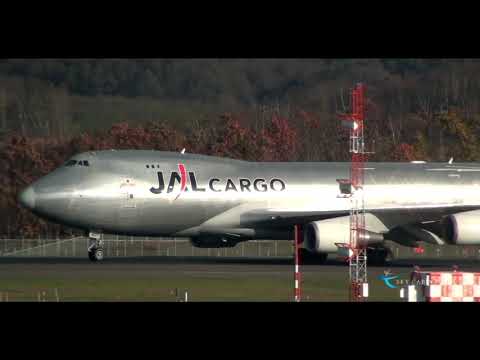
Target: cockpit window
71, 163
77, 163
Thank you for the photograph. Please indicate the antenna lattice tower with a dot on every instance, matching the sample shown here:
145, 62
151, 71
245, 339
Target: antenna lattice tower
358, 250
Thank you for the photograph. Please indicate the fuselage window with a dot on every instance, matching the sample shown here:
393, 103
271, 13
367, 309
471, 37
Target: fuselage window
148, 166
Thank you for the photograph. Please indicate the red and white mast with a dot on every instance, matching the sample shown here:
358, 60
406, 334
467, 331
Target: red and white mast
297, 275
358, 250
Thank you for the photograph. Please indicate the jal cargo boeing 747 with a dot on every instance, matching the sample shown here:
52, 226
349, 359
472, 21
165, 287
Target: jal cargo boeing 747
219, 202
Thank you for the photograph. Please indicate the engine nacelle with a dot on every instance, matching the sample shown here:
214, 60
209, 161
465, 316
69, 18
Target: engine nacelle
321, 236
462, 228
211, 241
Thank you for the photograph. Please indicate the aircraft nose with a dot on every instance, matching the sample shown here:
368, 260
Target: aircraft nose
27, 198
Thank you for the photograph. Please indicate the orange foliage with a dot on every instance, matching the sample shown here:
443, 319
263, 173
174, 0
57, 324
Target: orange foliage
404, 152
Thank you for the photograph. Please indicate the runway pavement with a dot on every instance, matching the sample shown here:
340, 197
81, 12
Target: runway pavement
206, 278
234, 264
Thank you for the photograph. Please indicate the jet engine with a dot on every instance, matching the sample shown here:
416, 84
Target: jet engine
321, 236
462, 228
213, 241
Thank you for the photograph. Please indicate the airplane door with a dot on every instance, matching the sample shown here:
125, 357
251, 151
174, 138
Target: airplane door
128, 193
128, 210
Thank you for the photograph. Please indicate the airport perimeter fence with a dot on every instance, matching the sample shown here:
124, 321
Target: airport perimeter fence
138, 246
121, 246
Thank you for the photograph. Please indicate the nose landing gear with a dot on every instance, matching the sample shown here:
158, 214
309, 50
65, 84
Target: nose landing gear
95, 254
95, 247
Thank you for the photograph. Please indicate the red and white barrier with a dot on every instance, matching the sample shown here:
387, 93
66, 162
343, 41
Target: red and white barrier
442, 286
452, 286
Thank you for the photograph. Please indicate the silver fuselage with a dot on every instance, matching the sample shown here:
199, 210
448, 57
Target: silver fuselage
121, 191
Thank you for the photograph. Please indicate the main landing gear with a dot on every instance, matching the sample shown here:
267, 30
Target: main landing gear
380, 256
95, 247
308, 258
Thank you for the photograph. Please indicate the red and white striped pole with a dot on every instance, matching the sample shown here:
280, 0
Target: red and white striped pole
297, 276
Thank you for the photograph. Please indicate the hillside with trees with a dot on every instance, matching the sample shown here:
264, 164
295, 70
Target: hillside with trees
259, 109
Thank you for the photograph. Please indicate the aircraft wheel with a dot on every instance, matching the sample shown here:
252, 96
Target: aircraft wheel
99, 254
306, 257
380, 257
321, 258
96, 255
389, 258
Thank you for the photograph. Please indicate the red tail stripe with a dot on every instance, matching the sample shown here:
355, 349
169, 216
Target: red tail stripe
183, 174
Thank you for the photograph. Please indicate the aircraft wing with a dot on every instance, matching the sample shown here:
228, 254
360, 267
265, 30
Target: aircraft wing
285, 218
390, 217
403, 223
